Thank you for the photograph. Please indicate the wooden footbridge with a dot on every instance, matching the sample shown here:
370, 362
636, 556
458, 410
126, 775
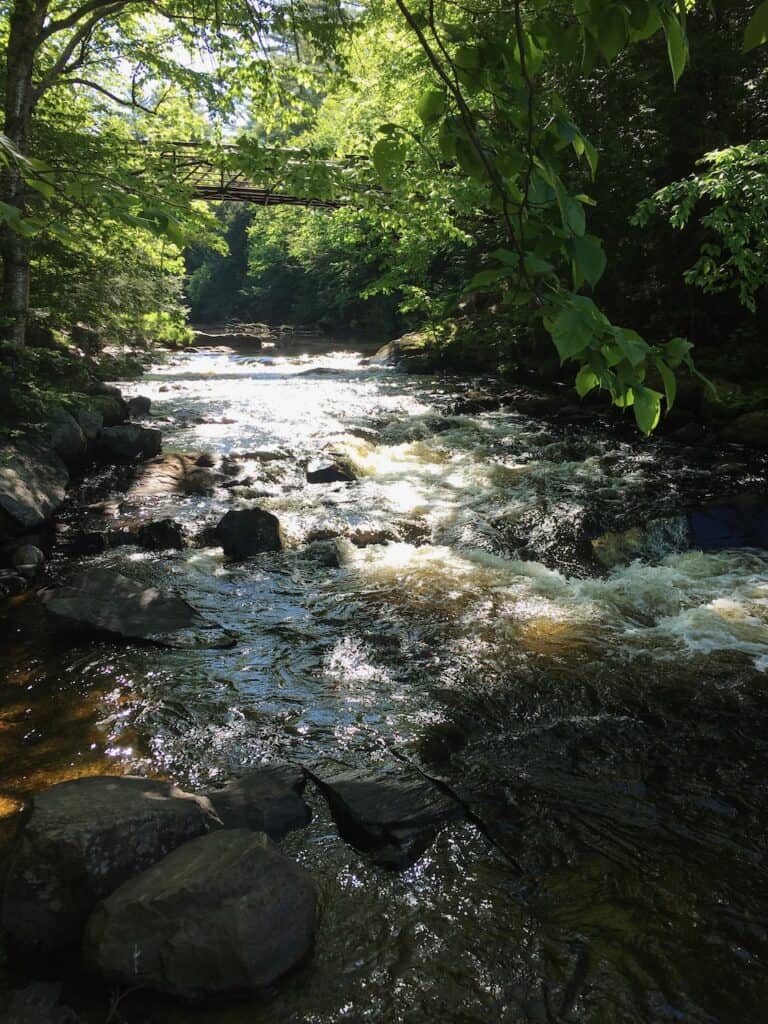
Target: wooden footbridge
218, 174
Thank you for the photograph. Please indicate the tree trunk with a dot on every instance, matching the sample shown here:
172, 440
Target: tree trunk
26, 22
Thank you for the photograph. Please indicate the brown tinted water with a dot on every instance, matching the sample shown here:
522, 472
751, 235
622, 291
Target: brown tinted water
608, 729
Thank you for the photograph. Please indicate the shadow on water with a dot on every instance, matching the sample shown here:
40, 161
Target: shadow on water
606, 728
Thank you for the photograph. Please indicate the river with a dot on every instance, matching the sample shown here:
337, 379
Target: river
608, 727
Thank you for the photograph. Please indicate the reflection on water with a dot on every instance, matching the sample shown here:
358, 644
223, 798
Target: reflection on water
606, 728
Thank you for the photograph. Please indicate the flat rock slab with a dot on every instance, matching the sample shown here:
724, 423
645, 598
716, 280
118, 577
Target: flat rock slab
82, 840
172, 474
103, 601
224, 913
265, 799
32, 486
391, 814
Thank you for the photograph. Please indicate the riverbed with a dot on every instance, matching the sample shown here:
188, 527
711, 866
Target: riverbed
605, 723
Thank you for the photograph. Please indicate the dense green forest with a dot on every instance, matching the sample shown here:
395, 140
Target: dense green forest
513, 182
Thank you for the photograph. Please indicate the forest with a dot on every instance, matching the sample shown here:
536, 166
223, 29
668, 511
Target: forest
383, 511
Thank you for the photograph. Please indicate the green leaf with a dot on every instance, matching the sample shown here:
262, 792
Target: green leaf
586, 381
589, 257
430, 106
611, 33
591, 154
756, 32
45, 188
572, 333
387, 155
632, 346
669, 380
677, 46
484, 278
647, 407
469, 160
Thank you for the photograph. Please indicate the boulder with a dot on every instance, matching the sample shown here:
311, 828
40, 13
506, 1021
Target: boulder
161, 535
87, 338
266, 799
225, 913
113, 410
37, 1004
171, 474
247, 532
751, 429
68, 439
128, 443
27, 559
90, 420
33, 483
393, 815
330, 473
139, 405
83, 839
103, 601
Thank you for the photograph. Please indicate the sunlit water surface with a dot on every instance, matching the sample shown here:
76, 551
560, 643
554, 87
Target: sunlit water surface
606, 728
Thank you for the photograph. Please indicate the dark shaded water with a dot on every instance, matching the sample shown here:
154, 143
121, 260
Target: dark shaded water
608, 729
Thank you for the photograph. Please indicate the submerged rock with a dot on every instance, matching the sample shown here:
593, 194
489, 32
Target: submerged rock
128, 443
393, 815
225, 913
27, 559
267, 799
33, 483
103, 601
161, 535
83, 839
247, 532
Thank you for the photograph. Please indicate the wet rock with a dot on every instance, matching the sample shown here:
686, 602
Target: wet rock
474, 402
324, 552
689, 433
736, 522
103, 601
37, 1004
750, 429
225, 913
651, 540
27, 559
330, 473
393, 815
33, 483
12, 582
128, 443
207, 461
247, 532
68, 439
266, 799
365, 536
171, 474
90, 421
139, 405
82, 840
161, 535
113, 410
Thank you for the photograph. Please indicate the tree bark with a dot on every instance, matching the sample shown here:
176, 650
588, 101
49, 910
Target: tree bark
26, 22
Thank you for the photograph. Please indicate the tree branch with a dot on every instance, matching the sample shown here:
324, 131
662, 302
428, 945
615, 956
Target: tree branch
132, 102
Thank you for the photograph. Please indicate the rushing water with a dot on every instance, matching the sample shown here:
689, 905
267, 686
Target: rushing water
607, 728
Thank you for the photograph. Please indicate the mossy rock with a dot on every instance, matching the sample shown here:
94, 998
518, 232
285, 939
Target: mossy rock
112, 410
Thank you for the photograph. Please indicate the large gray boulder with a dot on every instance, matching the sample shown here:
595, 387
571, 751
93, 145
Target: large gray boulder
391, 814
266, 799
83, 839
33, 483
247, 532
104, 601
128, 443
225, 913
68, 439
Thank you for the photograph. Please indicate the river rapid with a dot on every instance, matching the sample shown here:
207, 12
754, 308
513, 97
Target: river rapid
607, 727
